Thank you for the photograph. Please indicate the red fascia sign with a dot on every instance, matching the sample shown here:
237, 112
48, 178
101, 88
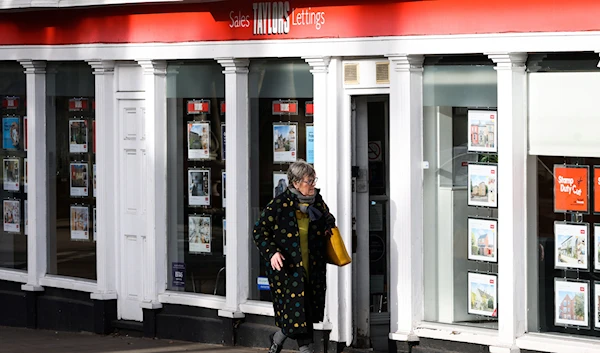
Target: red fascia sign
301, 19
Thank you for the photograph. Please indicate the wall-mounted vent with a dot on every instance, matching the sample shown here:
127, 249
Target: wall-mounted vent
351, 76
382, 72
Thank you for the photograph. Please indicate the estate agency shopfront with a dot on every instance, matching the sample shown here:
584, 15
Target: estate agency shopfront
454, 143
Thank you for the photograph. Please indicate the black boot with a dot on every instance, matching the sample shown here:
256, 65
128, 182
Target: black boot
275, 348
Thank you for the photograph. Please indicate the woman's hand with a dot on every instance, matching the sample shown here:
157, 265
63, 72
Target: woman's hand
277, 261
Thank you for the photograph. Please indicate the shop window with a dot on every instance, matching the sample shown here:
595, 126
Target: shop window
568, 247
13, 237
460, 191
71, 152
196, 178
564, 221
281, 94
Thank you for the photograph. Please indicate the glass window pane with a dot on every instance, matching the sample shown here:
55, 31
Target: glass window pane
460, 197
71, 169
13, 237
281, 93
564, 243
196, 161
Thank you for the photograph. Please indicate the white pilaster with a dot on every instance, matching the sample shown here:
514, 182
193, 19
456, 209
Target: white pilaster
319, 68
406, 195
512, 200
35, 72
106, 130
237, 213
155, 120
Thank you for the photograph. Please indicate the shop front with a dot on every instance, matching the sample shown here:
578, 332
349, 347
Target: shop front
140, 143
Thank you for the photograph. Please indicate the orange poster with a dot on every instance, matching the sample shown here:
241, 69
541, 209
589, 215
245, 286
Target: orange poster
596, 182
571, 188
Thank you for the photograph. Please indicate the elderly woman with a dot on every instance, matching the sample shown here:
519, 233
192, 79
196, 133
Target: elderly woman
291, 236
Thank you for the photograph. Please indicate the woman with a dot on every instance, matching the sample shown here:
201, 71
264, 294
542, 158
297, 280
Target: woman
291, 236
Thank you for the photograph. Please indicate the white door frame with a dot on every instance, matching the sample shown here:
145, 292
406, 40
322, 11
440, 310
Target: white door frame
359, 275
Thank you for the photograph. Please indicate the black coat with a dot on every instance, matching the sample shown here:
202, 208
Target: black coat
277, 231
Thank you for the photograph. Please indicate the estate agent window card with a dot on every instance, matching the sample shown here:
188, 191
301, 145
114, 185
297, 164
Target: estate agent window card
199, 187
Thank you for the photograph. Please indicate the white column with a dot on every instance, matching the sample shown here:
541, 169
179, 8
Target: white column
512, 200
35, 71
406, 195
237, 213
106, 131
155, 120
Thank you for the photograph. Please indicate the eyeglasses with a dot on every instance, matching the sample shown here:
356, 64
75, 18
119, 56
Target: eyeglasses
311, 181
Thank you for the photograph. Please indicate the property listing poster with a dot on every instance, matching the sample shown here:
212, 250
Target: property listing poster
224, 139
25, 138
94, 222
285, 142
224, 237
199, 234
571, 303
571, 245
198, 140
78, 136
223, 184
483, 294
310, 143
80, 219
12, 176
571, 188
596, 305
280, 183
25, 174
199, 187
12, 216
79, 179
596, 182
94, 179
482, 126
483, 239
11, 133
26, 212
482, 185
597, 247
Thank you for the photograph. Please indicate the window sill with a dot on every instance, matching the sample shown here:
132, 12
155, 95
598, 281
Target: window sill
481, 336
81, 285
13, 275
256, 307
193, 299
559, 343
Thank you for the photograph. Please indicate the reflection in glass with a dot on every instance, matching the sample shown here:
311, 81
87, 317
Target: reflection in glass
196, 178
70, 89
461, 276
13, 237
280, 111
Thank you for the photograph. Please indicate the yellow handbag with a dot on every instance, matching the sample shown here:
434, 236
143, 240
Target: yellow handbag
336, 249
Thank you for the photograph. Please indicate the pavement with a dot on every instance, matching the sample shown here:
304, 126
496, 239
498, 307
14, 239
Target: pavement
21, 340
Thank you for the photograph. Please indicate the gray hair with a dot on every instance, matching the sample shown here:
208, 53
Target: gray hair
298, 170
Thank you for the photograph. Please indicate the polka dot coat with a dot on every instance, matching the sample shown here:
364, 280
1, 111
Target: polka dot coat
277, 231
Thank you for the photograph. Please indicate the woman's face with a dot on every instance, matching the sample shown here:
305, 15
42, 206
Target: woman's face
307, 185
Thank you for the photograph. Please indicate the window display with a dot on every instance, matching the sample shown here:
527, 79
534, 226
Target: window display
279, 93
196, 183
13, 238
461, 191
568, 246
70, 87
